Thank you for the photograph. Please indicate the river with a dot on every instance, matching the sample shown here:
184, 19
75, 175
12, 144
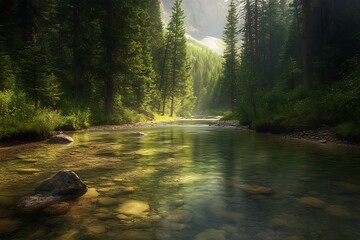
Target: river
188, 181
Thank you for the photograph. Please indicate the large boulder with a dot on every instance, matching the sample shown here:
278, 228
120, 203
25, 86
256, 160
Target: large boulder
65, 185
61, 139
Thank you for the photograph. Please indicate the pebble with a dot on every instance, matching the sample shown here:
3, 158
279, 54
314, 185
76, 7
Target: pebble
28, 170
94, 230
122, 217
107, 201
312, 201
133, 208
337, 211
128, 190
256, 189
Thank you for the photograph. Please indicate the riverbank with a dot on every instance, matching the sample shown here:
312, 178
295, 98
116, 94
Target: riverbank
321, 135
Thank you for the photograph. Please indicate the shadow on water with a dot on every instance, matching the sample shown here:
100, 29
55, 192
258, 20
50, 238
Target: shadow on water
188, 181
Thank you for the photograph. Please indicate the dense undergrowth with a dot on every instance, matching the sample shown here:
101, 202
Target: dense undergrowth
335, 106
21, 120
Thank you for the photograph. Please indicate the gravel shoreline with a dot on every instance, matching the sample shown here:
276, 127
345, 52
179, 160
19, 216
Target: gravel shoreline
322, 135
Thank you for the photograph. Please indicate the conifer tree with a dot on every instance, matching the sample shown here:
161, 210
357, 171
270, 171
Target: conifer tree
176, 69
231, 56
37, 74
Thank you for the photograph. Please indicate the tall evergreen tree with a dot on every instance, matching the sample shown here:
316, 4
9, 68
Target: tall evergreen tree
176, 79
231, 56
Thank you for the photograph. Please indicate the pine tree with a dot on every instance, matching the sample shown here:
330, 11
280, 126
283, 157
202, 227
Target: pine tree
231, 55
37, 74
176, 69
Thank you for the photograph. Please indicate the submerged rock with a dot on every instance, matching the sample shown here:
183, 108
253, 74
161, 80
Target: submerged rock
138, 134
33, 203
312, 201
337, 211
255, 189
133, 208
107, 201
61, 139
64, 185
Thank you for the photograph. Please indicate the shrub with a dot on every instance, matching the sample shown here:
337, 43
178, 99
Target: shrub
20, 119
349, 130
77, 119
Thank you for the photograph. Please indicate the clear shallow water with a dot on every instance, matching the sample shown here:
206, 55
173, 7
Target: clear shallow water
191, 178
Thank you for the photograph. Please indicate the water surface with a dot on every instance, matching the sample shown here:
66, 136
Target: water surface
191, 176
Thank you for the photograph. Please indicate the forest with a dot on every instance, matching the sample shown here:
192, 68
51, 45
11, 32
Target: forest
295, 65
287, 66
66, 65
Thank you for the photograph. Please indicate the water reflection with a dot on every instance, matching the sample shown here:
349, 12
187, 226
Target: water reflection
186, 182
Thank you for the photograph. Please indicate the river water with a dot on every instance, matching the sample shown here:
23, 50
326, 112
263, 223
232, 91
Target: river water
188, 181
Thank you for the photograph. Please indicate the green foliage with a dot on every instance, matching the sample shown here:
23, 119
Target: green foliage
176, 84
205, 71
76, 120
7, 76
229, 116
349, 130
20, 119
231, 58
36, 75
126, 116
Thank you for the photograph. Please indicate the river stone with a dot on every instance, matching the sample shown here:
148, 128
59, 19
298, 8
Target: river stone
28, 170
337, 211
138, 134
65, 184
94, 230
211, 234
312, 201
34, 203
133, 208
58, 208
107, 201
61, 139
122, 217
255, 189
127, 190
9, 226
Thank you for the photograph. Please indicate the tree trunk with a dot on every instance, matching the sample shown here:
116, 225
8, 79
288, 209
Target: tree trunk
163, 80
305, 42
